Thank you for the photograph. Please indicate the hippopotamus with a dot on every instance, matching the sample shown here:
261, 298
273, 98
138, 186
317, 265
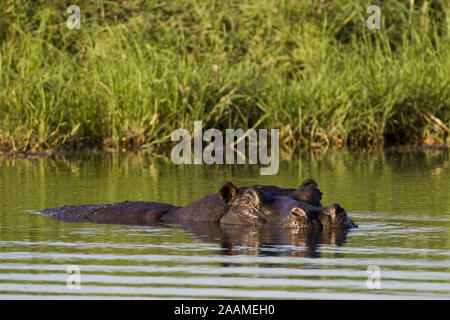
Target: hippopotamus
262, 206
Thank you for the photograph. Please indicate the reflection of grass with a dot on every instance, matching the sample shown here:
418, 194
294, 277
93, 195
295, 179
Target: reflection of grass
136, 71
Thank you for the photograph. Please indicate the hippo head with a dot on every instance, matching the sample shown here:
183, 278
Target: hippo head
276, 207
302, 215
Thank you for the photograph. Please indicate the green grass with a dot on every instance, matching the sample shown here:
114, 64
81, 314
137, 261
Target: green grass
136, 71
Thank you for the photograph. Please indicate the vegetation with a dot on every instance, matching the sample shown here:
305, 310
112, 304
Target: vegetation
137, 70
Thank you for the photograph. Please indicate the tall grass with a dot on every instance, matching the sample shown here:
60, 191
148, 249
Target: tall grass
137, 70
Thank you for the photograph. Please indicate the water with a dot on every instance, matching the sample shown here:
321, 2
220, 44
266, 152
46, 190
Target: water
400, 201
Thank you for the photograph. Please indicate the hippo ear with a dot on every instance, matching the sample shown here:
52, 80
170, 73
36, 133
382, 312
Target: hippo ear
310, 194
228, 192
336, 210
306, 194
308, 182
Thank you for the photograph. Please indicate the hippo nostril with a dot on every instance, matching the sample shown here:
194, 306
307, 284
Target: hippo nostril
298, 212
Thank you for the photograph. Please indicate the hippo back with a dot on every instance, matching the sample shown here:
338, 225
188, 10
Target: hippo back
209, 208
128, 212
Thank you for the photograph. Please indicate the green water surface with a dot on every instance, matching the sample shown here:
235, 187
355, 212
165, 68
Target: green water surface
401, 202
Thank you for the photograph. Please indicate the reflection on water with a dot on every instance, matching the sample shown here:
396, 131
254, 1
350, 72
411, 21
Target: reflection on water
249, 240
399, 200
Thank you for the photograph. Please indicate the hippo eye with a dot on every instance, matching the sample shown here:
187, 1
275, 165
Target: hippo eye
251, 197
246, 200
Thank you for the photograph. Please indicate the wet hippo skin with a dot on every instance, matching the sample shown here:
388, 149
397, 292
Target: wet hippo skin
266, 206
128, 212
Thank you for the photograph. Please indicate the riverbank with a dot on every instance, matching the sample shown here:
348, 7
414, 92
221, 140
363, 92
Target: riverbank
134, 72
165, 155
